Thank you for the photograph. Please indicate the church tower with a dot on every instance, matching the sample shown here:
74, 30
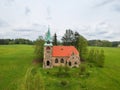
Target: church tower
47, 62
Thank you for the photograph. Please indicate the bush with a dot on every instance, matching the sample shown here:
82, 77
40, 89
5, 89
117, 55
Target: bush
63, 82
63, 72
82, 69
90, 65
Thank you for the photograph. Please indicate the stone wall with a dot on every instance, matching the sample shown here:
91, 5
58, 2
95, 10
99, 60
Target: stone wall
75, 60
47, 57
60, 59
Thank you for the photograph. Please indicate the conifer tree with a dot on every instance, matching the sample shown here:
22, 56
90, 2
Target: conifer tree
55, 39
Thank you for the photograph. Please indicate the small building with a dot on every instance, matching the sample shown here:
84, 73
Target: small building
59, 55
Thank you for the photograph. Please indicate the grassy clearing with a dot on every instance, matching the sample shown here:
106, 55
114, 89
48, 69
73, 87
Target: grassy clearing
15, 61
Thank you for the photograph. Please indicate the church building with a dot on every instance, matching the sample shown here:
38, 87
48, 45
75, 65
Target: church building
59, 55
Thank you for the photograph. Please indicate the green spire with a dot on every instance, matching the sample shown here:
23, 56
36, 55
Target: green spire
48, 38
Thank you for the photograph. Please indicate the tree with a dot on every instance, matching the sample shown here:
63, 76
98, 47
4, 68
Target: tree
96, 57
81, 45
91, 56
77, 40
68, 37
55, 39
101, 59
39, 46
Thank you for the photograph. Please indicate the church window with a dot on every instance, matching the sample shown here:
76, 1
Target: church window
72, 57
62, 60
75, 62
56, 60
69, 63
48, 63
66, 62
48, 48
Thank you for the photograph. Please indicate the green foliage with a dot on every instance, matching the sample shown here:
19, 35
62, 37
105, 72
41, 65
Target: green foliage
63, 71
101, 60
39, 46
55, 39
96, 57
82, 69
82, 47
68, 37
115, 43
64, 82
83, 85
101, 43
16, 41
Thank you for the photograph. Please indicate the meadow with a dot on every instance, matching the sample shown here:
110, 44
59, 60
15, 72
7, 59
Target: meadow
16, 60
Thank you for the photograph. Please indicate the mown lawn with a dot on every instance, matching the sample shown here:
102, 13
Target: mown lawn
16, 59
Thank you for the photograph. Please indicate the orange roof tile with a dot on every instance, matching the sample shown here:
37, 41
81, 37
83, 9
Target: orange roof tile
64, 51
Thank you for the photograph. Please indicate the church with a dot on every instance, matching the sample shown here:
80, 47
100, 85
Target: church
55, 56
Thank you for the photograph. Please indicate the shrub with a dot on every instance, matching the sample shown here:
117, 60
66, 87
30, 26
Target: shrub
100, 62
66, 68
63, 72
82, 69
63, 82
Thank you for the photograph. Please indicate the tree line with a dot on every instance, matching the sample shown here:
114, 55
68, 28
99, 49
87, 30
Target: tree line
103, 43
16, 41
67, 39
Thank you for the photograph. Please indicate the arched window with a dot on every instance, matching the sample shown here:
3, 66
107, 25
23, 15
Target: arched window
75, 62
56, 60
48, 48
48, 63
69, 63
72, 57
62, 60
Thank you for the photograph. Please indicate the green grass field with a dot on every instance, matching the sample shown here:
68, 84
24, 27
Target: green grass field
16, 59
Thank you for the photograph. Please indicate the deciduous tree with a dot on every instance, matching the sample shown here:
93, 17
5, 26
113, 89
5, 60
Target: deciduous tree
39, 46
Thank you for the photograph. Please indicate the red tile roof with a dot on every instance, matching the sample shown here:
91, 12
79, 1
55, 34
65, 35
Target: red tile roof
64, 51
